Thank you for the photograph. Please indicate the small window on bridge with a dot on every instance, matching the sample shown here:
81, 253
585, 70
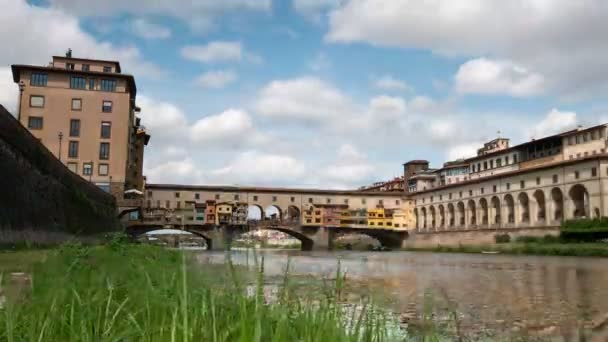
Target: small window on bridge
293, 199
255, 198
236, 197
197, 196
397, 202
274, 198
363, 201
309, 200
381, 202
328, 200
217, 196
346, 201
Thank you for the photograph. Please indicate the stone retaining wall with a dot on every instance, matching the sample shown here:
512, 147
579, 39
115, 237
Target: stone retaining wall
40, 199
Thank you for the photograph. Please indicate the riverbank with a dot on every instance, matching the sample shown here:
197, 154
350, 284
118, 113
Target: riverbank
148, 293
539, 248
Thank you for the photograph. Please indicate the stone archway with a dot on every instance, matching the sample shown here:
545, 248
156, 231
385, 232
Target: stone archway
580, 201
541, 206
461, 215
433, 218
307, 243
451, 215
293, 215
273, 213
558, 204
483, 205
255, 212
423, 212
495, 202
472, 213
510, 205
441, 216
523, 202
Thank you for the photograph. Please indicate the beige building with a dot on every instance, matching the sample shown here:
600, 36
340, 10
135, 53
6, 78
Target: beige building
535, 184
84, 112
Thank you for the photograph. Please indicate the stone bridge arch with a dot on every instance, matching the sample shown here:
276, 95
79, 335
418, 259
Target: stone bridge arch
387, 238
138, 230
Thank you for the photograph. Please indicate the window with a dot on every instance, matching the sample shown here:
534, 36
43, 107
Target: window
36, 101
107, 69
177, 195
537, 180
106, 106
236, 197
103, 169
293, 199
515, 158
309, 200
555, 179
485, 165
104, 151
346, 201
593, 172
106, 129
178, 205
363, 201
73, 149
584, 137
73, 167
91, 84
460, 194
168, 204
470, 192
107, 85
76, 104
522, 184
482, 190
87, 169
508, 186
498, 162
70, 66
34, 122
450, 196
576, 174
381, 202
593, 135
74, 128
77, 82
440, 197
328, 200
217, 196
507, 160
494, 188
197, 196
255, 198
85, 67
491, 164
274, 198
39, 79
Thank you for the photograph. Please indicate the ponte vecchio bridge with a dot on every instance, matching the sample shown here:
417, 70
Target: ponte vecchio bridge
315, 217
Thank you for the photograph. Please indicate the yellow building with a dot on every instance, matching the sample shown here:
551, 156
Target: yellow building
380, 218
223, 213
312, 216
353, 218
400, 220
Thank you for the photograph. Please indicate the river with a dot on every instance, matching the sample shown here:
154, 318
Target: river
552, 296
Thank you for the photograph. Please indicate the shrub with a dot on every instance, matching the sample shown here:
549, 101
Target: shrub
502, 238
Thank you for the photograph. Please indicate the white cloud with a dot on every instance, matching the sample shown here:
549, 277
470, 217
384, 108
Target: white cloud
229, 127
9, 91
260, 168
201, 15
562, 40
555, 122
485, 76
462, 151
164, 121
350, 167
218, 52
388, 82
216, 79
34, 34
304, 98
183, 171
147, 30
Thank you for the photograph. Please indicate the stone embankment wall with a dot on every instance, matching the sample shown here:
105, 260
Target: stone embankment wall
41, 201
477, 237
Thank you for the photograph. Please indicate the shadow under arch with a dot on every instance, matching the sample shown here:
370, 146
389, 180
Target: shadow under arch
136, 231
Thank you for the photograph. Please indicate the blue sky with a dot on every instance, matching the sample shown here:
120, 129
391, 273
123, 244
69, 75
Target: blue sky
327, 93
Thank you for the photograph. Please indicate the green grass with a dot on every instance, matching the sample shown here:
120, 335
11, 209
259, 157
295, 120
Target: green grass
145, 293
538, 248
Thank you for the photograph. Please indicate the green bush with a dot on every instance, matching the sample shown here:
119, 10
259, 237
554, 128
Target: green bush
502, 238
584, 230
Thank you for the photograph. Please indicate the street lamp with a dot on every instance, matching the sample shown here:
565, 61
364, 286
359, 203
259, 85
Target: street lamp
60, 135
21, 89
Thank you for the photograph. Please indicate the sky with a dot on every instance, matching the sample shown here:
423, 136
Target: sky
327, 93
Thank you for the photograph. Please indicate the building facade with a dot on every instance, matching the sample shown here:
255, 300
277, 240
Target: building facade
84, 112
535, 184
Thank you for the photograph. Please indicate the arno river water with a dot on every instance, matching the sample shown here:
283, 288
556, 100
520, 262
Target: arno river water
552, 296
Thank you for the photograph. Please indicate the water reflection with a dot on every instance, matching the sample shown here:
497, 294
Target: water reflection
547, 295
